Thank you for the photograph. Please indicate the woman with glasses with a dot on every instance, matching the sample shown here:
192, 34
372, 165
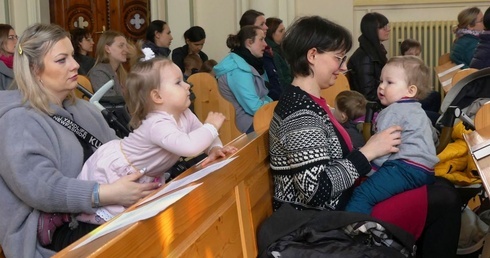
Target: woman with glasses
367, 61
314, 165
8, 40
83, 44
468, 30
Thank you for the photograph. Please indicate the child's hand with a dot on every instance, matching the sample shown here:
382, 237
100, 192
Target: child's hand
218, 152
216, 119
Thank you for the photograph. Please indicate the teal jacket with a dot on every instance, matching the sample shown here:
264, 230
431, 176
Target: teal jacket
463, 50
243, 86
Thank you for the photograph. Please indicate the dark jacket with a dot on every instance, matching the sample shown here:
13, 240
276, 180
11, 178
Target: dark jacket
310, 233
463, 49
159, 51
481, 57
274, 86
283, 70
6, 76
180, 53
365, 67
86, 63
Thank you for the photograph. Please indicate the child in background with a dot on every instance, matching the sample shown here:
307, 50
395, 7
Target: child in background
349, 106
164, 130
192, 64
404, 80
410, 47
207, 66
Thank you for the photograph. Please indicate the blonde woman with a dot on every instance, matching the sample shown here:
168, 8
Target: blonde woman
468, 30
111, 53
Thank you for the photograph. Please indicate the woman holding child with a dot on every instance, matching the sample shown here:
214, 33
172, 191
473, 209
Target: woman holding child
41, 157
313, 163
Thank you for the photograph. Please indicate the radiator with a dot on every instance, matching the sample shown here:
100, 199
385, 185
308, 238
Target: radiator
436, 38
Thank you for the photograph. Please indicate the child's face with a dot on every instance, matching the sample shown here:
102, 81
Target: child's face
174, 91
393, 85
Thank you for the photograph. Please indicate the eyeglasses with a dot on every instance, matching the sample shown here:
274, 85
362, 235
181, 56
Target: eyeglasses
386, 27
12, 37
341, 60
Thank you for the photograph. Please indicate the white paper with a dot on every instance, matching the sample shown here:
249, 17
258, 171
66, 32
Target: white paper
450, 70
482, 152
140, 213
175, 184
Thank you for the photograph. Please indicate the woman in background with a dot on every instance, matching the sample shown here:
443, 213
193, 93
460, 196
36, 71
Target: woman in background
158, 38
241, 75
82, 44
8, 40
273, 37
111, 53
195, 37
470, 25
367, 61
482, 52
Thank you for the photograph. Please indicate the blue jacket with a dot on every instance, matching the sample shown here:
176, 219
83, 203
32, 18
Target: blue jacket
482, 53
463, 50
243, 86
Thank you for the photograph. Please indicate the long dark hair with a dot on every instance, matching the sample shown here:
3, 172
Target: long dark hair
249, 17
195, 34
153, 27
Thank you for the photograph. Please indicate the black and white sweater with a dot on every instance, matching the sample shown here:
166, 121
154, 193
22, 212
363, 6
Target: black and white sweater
309, 159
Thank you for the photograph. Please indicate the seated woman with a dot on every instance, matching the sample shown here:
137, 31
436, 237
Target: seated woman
366, 63
314, 165
41, 157
8, 40
158, 38
111, 53
194, 37
83, 44
241, 75
470, 25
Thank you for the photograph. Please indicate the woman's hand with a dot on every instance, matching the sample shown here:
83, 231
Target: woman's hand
218, 152
125, 191
382, 143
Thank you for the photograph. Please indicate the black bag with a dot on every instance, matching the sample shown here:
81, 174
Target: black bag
310, 233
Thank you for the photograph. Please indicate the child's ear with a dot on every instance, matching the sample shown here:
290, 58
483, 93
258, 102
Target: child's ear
155, 96
412, 91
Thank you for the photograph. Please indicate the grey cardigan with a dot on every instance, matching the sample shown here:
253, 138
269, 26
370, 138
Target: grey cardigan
40, 162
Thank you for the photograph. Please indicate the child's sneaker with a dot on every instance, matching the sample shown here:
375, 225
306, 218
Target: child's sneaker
47, 224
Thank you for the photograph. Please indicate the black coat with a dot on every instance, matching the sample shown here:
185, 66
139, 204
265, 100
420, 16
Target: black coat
365, 67
481, 57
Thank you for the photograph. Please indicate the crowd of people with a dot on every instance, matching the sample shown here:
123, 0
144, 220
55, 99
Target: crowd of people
52, 176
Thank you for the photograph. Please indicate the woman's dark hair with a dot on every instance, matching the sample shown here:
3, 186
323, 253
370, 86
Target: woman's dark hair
77, 36
195, 34
370, 23
272, 23
313, 32
238, 40
153, 27
486, 19
249, 17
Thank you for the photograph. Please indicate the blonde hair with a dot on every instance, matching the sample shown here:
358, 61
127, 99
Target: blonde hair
144, 77
416, 73
352, 103
36, 41
467, 18
107, 39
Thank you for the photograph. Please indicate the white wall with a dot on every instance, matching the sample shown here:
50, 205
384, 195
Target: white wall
220, 17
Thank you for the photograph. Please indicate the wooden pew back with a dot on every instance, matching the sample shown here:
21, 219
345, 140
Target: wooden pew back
218, 219
341, 84
208, 98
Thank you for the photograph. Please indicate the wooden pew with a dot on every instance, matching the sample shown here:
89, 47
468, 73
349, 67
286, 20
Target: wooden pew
218, 219
2, 255
341, 84
208, 98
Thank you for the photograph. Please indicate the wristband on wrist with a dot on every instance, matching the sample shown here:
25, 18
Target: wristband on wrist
95, 196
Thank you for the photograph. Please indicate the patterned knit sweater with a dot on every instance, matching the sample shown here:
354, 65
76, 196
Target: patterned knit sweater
310, 162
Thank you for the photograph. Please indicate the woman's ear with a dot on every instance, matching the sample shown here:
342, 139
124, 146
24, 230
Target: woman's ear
412, 91
311, 55
155, 96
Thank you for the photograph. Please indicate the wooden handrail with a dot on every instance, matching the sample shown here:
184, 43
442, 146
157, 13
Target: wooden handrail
218, 219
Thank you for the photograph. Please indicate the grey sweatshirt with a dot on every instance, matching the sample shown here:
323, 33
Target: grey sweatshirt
40, 162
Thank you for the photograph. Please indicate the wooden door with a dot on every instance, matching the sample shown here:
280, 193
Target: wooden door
130, 17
